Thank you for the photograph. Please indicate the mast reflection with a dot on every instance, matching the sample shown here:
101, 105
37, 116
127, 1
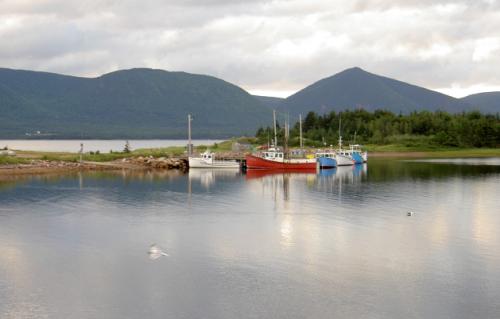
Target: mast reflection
330, 180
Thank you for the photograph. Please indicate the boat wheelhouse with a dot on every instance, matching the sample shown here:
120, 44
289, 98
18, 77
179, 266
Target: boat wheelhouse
207, 160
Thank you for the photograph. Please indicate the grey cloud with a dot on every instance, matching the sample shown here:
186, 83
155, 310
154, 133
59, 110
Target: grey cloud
275, 45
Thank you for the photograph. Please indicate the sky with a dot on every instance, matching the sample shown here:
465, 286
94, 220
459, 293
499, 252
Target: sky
266, 47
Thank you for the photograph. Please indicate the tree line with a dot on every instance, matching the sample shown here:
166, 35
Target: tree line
422, 128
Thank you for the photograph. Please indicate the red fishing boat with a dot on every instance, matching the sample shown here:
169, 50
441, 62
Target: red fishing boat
275, 159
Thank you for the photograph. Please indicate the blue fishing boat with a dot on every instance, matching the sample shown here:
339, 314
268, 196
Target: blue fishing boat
358, 156
326, 159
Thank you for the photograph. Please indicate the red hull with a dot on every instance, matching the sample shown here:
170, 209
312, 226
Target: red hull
254, 162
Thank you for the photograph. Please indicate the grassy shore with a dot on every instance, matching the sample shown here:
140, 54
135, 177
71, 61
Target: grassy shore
433, 152
392, 150
25, 156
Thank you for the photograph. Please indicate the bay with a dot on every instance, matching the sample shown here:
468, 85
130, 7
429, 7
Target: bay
336, 243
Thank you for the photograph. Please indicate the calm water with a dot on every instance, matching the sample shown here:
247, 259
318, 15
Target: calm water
335, 244
104, 146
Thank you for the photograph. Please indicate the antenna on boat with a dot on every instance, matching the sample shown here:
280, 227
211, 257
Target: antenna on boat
275, 136
190, 147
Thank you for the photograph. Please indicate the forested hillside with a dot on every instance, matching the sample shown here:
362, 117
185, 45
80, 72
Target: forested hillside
423, 128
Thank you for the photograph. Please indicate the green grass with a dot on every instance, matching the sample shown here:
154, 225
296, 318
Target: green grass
12, 160
433, 151
25, 156
467, 152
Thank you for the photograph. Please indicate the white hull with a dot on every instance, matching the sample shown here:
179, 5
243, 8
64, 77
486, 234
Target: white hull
7, 153
365, 156
343, 160
195, 162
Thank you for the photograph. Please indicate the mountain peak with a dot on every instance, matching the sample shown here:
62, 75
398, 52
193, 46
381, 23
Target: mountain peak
355, 69
357, 88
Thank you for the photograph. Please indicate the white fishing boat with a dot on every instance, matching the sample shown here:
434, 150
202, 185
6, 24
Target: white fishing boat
207, 160
7, 152
351, 156
343, 157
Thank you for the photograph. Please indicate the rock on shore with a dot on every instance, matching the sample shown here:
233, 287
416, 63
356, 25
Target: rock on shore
160, 163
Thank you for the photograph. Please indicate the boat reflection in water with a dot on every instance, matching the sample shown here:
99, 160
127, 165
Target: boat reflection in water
208, 177
342, 178
326, 180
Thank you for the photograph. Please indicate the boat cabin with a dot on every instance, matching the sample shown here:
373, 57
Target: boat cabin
207, 155
273, 154
325, 154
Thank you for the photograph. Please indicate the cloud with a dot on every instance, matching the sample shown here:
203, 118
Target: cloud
275, 46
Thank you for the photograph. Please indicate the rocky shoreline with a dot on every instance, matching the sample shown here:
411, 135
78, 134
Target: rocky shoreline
132, 163
157, 163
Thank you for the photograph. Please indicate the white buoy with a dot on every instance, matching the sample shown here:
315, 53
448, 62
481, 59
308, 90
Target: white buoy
156, 252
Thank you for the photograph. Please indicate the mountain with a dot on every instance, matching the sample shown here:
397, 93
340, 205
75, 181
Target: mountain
270, 101
136, 103
356, 88
486, 102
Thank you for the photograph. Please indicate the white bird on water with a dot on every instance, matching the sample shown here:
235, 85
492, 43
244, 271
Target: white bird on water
156, 252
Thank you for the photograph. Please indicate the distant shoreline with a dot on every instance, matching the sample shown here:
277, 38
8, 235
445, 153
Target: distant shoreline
444, 153
38, 163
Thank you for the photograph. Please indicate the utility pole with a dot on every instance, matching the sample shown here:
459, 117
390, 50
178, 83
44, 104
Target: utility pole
81, 153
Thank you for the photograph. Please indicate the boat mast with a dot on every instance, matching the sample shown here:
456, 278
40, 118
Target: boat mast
286, 137
340, 135
189, 134
300, 126
275, 136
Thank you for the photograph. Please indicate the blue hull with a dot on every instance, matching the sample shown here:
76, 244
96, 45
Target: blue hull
357, 158
326, 162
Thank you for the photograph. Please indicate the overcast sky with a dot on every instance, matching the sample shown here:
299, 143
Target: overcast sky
266, 47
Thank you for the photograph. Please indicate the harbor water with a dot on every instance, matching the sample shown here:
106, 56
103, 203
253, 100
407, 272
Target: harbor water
391, 239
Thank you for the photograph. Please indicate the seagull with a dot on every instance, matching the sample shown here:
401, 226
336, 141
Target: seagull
409, 214
156, 252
